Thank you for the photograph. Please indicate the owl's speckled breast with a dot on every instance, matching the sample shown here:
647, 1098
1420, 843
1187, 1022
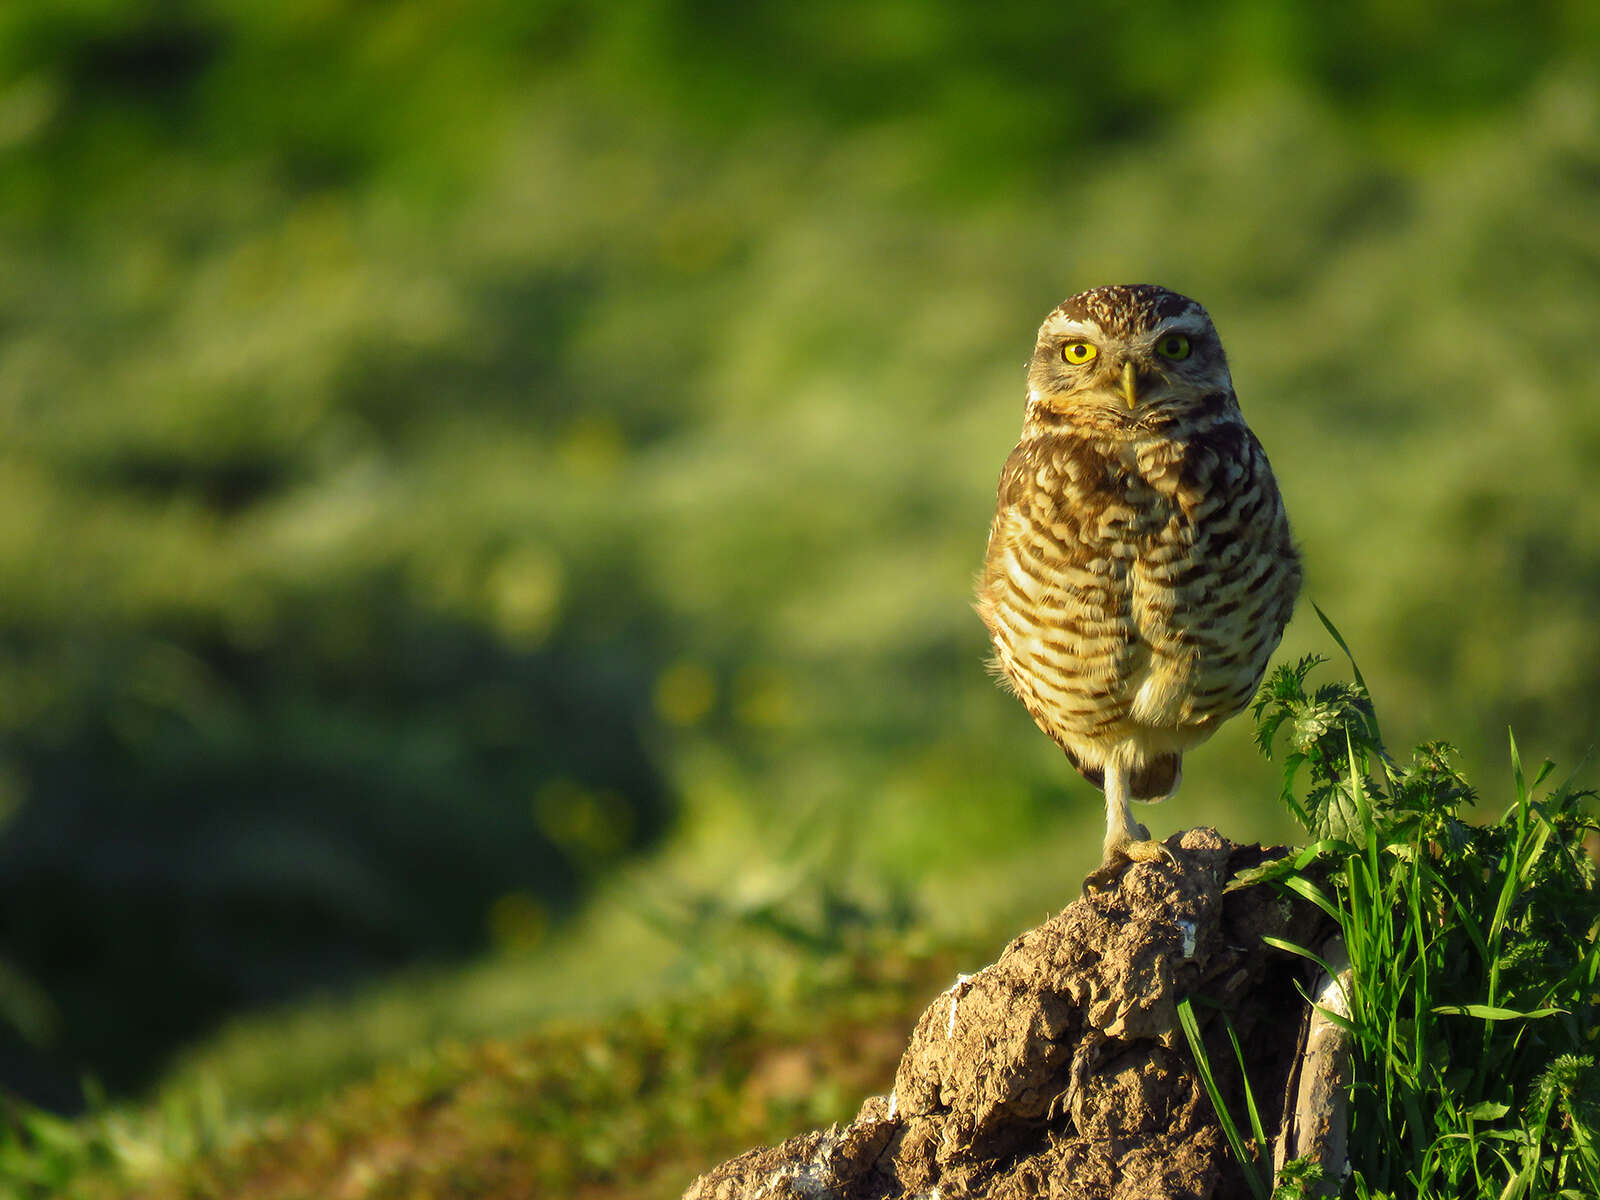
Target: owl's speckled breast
1127, 590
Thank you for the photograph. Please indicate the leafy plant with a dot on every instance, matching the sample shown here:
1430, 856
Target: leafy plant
1472, 950
41, 1153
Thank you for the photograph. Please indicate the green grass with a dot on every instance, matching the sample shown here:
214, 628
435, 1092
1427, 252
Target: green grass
1472, 949
449, 449
454, 454
633, 1105
1473, 1013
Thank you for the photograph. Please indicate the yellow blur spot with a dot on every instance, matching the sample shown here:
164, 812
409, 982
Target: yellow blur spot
593, 448
685, 693
763, 699
518, 922
692, 241
524, 593
596, 823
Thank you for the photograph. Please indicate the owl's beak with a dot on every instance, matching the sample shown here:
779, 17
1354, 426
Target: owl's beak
1128, 385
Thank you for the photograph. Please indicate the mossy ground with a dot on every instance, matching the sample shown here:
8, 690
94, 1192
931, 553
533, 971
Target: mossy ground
629, 1107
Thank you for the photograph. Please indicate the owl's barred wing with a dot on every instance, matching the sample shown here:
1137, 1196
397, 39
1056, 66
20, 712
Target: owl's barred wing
1213, 591
1053, 541
1013, 499
1055, 591
1006, 499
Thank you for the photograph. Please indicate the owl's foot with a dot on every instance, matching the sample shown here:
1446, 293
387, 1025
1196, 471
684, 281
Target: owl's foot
1122, 853
1127, 841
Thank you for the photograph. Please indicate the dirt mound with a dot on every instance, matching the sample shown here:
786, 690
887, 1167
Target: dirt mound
1060, 1069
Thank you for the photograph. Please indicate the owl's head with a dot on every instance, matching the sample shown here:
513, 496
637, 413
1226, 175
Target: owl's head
1127, 358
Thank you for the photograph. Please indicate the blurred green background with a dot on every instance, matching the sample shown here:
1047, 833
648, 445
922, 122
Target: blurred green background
491, 490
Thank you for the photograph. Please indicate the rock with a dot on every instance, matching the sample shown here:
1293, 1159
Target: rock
1060, 1070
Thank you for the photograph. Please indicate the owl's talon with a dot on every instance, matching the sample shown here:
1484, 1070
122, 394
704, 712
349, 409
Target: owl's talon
1122, 856
1149, 851
1103, 877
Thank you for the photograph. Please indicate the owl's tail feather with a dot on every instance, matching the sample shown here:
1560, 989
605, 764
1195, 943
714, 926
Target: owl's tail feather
1153, 780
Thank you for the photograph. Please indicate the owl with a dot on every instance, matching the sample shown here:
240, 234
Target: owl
1140, 570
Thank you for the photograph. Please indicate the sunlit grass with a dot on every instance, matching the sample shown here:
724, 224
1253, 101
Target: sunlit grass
632, 1104
1474, 995
705, 401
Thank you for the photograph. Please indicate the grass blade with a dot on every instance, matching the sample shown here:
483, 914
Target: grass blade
1191, 1030
1302, 886
1490, 1012
1333, 632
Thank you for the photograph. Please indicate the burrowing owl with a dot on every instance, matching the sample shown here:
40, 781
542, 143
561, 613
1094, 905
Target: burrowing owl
1139, 570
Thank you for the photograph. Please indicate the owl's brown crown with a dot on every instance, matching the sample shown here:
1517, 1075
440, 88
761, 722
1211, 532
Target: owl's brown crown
1128, 308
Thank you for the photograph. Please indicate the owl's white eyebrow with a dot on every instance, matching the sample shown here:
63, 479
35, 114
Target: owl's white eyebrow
1187, 323
1080, 330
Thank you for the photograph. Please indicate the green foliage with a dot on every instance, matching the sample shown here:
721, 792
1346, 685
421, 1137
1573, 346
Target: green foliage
1474, 1002
1334, 712
629, 1106
1298, 1179
44, 1155
444, 443
260, 822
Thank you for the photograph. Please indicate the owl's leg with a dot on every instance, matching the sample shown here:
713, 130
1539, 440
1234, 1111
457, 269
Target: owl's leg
1127, 841
1121, 829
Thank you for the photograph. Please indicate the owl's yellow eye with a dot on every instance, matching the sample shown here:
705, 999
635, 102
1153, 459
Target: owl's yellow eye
1174, 347
1078, 353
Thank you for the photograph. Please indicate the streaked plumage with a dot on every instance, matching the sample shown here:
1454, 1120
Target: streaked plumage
1140, 570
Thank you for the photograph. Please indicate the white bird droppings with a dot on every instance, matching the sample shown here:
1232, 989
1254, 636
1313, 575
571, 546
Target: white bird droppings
956, 988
